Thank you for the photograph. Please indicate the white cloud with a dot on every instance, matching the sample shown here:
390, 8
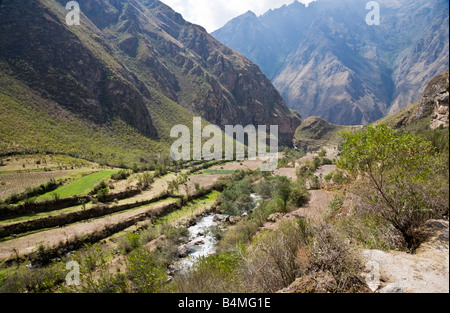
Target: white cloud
213, 14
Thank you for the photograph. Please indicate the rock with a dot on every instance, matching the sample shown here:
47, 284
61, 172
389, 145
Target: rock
322, 282
218, 218
274, 217
391, 288
183, 251
234, 219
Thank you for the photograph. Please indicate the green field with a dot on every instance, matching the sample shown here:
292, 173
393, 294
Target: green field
218, 172
79, 186
190, 209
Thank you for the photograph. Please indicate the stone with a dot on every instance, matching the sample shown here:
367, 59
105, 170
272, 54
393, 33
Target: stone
391, 288
183, 251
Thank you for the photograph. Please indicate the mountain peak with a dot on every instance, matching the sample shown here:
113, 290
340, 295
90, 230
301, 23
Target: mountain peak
326, 62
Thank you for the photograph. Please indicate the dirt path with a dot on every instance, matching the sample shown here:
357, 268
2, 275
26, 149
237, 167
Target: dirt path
313, 211
53, 237
426, 271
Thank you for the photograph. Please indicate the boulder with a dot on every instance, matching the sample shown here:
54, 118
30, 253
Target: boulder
391, 288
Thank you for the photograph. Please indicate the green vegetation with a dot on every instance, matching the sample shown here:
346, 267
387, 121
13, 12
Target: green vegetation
273, 260
406, 177
79, 186
26, 118
218, 172
30, 192
190, 209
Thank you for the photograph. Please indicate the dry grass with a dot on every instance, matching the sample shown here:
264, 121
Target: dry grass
17, 182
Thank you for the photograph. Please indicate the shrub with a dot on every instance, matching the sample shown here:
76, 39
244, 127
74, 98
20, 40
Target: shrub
370, 231
326, 161
299, 196
35, 280
333, 207
236, 198
272, 262
129, 242
328, 177
145, 273
314, 182
212, 274
120, 175
407, 179
330, 253
145, 180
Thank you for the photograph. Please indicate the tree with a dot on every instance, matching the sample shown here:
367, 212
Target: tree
284, 193
404, 174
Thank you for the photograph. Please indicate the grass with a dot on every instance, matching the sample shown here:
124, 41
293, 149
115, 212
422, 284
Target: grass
192, 208
78, 187
218, 172
30, 123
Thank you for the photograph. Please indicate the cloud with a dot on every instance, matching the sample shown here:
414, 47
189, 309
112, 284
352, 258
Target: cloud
213, 14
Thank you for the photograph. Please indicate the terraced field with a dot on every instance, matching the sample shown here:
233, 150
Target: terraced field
65, 225
79, 186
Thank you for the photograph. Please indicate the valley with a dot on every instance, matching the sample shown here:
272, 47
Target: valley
115, 176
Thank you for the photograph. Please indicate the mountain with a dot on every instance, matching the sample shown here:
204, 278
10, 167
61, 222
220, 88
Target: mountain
428, 117
430, 112
118, 82
326, 61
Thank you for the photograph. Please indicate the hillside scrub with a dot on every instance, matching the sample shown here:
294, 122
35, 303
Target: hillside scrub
273, 260
406, 177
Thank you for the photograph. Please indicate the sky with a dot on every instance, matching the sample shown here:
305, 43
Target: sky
213, 14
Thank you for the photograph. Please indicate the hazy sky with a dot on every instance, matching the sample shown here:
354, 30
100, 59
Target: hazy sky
213, 14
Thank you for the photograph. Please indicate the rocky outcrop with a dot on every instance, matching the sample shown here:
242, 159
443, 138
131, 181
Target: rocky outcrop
441, 102
434, 103
321, 282
425, 271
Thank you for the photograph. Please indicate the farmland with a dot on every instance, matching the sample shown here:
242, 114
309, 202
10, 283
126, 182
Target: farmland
79, 186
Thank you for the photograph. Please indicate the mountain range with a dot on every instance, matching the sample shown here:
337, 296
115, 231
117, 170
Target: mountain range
326, 61
112, 87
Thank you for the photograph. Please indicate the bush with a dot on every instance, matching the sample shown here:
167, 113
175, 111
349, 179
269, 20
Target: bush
129, 242
314, 182
236, 198
370, 231
326, 161
333, 207
146, 275
407, 179
272, 263
212, 274
299, 196
35, 280
120, 175
330, 253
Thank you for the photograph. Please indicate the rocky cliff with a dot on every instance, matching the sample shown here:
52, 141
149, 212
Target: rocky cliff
326, 61
135, 61
434, 103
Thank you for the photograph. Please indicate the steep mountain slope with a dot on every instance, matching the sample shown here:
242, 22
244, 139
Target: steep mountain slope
431, 112
428, 117
326, 61
133, 63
